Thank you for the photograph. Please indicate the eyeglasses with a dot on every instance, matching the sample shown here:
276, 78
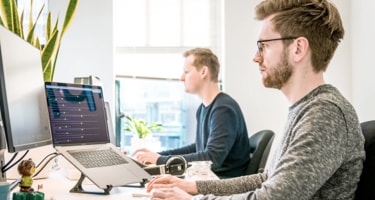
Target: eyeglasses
259, 43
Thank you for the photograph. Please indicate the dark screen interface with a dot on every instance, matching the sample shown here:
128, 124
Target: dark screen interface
77, 114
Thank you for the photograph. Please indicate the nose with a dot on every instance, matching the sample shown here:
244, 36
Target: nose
257, 58
182, 78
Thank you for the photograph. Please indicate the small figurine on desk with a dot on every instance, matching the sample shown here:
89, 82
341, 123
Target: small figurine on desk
27, 168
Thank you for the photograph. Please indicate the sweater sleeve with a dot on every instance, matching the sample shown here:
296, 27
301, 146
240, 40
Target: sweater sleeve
182, 150
165, 155
231, 186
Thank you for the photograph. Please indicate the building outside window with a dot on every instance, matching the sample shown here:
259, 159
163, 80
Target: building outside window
150, 38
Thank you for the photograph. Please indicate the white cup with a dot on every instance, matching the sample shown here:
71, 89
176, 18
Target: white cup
199, 170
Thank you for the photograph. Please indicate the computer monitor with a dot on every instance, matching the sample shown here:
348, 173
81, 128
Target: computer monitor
23, 104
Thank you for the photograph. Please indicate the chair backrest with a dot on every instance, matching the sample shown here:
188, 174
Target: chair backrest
366, 185
260, 145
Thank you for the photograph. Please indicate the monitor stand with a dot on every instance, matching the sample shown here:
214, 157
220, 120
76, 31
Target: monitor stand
3, 177
3, 148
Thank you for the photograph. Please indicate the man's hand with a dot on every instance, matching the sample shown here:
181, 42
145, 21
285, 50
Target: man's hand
168, 181
170, 194
145, 156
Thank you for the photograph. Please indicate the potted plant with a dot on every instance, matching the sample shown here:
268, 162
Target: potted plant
11, 20
142, 137
140, 127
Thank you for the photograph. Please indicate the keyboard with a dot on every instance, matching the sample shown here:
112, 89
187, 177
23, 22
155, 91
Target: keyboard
98, 158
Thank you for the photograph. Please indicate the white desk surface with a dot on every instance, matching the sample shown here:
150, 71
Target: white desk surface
57, 187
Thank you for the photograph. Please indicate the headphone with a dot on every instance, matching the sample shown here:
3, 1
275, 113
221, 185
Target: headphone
175, 165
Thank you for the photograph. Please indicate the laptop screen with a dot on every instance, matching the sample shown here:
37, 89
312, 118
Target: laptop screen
77, 114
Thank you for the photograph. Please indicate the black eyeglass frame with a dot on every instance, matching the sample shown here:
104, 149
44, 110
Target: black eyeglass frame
260, 50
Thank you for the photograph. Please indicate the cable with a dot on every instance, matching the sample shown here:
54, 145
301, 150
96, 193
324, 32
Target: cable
11, 159
54, 153
45, 164
15, 182
6, 169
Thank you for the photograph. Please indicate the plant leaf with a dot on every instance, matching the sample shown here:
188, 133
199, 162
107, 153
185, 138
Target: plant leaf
1, 21
47, 56
69, 15
32, 25
37, 44
7, 10
48, 26
141, 127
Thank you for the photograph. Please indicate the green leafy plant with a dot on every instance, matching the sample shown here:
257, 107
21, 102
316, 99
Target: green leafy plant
13, 20
141, 127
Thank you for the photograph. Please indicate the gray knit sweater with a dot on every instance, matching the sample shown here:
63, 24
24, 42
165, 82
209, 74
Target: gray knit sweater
320, 155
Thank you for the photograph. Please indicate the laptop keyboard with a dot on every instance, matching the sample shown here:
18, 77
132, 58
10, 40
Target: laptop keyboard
98, 158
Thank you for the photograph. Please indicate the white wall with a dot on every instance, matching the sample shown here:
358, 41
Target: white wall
363, 43
87, 46
87, 50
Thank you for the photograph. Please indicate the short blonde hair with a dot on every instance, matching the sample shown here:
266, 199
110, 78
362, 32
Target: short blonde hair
205, 57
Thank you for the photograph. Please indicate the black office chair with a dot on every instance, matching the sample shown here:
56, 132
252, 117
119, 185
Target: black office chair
366, 185
260, 145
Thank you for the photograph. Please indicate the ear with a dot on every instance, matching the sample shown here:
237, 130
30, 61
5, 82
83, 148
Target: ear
204, 71
301, 48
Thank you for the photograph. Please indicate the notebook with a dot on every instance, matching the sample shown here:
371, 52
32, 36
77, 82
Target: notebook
79, 120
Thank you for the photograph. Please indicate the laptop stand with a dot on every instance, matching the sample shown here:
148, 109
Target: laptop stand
142, 184
79, 189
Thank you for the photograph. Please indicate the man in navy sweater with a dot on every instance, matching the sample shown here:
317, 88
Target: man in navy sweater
221, 135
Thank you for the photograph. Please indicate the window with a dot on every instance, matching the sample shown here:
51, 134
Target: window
150, 37
24, 5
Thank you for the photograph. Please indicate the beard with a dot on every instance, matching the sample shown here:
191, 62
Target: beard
279, 75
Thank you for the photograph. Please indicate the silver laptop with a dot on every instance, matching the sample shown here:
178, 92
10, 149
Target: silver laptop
79, 125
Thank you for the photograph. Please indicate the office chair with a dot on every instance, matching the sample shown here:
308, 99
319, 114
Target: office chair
366, 185
260, 145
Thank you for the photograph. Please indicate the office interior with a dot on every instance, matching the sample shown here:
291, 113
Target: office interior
87, 49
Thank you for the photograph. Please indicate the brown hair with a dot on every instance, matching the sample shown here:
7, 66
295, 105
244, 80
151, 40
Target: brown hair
317, 20
205, 57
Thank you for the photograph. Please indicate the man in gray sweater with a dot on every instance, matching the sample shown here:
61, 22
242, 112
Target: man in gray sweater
321, 152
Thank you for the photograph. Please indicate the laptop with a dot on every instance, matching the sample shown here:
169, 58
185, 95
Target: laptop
78, 118
111, 130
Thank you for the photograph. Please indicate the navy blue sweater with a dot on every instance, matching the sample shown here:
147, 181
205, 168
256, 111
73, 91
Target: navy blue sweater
221, 137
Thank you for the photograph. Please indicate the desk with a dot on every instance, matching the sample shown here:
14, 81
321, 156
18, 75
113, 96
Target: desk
57, 187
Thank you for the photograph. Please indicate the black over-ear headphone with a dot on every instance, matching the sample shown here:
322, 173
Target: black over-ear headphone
175, 165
